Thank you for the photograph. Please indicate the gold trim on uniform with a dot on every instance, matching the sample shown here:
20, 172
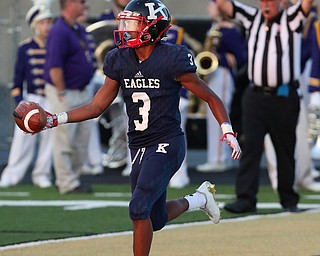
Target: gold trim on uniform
37, 71
26, 41
38, 81
180, 35
317, 27
39, 92
41, 51
15, 92
35, 61
314, 82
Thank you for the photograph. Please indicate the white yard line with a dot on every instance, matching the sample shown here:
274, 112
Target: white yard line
172, 226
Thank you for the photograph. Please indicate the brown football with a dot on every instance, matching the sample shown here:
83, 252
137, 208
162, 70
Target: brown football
30, 117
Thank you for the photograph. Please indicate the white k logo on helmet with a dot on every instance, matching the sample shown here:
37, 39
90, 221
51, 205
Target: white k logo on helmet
153, 12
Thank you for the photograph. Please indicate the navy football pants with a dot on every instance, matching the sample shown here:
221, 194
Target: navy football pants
152, 169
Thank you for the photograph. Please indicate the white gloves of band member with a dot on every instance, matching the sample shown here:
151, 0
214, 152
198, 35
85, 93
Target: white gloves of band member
229, 137
315, 99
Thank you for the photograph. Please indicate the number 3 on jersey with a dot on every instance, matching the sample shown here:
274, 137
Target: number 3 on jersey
143, 111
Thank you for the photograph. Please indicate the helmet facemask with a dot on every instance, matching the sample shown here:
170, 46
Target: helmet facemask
135, 30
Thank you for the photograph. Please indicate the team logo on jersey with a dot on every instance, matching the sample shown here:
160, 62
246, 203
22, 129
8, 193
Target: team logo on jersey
161, 148
138, 75
153, 12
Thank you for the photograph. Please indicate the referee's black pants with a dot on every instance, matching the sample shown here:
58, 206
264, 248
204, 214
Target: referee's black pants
277, 116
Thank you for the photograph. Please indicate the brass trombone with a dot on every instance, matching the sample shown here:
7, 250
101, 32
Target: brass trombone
207, 61
102, 32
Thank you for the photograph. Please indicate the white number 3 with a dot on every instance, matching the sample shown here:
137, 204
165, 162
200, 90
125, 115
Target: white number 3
143, 111
191, 59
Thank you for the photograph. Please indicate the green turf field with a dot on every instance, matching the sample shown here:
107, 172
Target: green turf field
33, 214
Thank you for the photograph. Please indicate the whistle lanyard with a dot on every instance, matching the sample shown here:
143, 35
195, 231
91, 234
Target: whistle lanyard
76, 29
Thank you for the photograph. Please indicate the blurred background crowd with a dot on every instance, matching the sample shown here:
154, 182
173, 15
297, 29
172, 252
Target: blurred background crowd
219, 46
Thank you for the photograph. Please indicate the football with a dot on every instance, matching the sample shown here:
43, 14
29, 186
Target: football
30, 117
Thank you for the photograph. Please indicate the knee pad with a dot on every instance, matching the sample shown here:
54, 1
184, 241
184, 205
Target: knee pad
139, 207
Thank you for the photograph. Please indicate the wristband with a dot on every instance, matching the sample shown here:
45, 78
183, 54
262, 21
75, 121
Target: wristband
226, 128
62, 118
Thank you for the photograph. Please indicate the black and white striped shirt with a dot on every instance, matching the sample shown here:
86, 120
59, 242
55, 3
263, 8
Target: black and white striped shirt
274, 47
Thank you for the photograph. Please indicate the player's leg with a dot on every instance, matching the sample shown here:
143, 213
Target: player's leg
142, 237
152, 169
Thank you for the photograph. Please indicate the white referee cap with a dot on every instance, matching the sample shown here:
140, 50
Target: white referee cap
36, 13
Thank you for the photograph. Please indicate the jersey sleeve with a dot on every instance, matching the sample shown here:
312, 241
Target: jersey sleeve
183, 62
111, 67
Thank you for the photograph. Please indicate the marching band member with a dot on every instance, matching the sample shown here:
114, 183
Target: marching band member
28, 85
230, 48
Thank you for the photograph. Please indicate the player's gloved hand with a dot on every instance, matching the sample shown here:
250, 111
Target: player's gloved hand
53, 120
230, 138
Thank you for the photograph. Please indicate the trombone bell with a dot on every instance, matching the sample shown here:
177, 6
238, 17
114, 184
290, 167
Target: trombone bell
206, 62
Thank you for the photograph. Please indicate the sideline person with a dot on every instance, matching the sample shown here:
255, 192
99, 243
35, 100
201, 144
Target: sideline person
271, 103
29, 71
70, 65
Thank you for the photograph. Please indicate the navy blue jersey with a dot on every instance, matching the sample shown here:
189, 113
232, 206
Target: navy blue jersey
150, 91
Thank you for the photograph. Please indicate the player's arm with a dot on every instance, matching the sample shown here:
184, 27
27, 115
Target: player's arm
199, 88
101, 101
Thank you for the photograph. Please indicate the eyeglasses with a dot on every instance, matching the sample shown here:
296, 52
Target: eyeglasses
81, 1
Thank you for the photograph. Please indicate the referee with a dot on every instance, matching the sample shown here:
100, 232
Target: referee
271, 103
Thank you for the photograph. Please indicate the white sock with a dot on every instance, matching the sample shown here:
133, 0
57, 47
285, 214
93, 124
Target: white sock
195, 200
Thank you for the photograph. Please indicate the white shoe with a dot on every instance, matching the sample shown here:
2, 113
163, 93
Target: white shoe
312, 186
211, 167
6, 183
113, 162
179, 183
126, 171
315, 173
92, 170
210, 208
44, 183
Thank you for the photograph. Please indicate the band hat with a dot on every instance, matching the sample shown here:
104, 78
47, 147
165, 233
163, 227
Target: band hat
36, 13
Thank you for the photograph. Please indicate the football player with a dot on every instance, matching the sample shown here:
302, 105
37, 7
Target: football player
150, 74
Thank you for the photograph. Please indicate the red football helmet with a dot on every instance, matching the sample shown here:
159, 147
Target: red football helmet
142, 22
